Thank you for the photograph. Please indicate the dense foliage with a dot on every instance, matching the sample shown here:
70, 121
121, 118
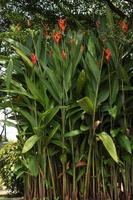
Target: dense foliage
36, 13
71, 93
9, 157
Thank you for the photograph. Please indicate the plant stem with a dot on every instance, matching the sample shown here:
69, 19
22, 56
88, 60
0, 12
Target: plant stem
92, 132
63, 151
110, 94
87, 177
52, 176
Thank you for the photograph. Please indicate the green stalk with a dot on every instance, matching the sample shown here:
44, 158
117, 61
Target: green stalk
110, 104
52, 176
74, 170
44, 172
92, 133
63, 139
93, 173
123, 104
87, 175
131, 172
35, 187
73, 164
103, 181
115, 183
63, 151
111, 185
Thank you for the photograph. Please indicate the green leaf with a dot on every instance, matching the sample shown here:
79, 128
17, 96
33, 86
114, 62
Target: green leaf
28, 116
19, 173
38, 44
52, 133
33, 165
9, 73
124, 74
84, 127
115, 132
109, 145
102, 96
9, 123
114, 88
113, 112
24, 93
125, 143
35, 90
109, 17
91, 45
72, 133
68, 78
80, 174
48, 115
23, 56
52, 91
59, 143
30, 143
4, 59
92, 66
19, 45
53, 80
80, 82
86, 104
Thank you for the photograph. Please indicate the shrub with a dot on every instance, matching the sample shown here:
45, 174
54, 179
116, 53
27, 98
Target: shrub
9, 155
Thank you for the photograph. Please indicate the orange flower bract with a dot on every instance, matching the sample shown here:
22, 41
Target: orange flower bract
33, 58
108, 54
63, 54
57, 36
62, 24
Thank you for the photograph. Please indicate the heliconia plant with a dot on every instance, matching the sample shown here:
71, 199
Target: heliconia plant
70, 94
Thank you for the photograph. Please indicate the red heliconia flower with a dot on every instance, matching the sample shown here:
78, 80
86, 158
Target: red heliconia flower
108, 54
33, 58
62, 24
63, 54
124, 26
57, 36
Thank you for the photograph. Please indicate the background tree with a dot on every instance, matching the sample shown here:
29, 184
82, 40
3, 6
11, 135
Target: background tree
37, 12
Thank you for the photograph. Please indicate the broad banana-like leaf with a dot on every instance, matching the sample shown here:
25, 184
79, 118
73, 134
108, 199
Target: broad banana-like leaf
91, 45
125, 143
86, 104
39, 44
80, 82
92, 66
33, 165
57, 87
114, 89
109, 145
30, 143
72, 133
102, 96
23, 56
